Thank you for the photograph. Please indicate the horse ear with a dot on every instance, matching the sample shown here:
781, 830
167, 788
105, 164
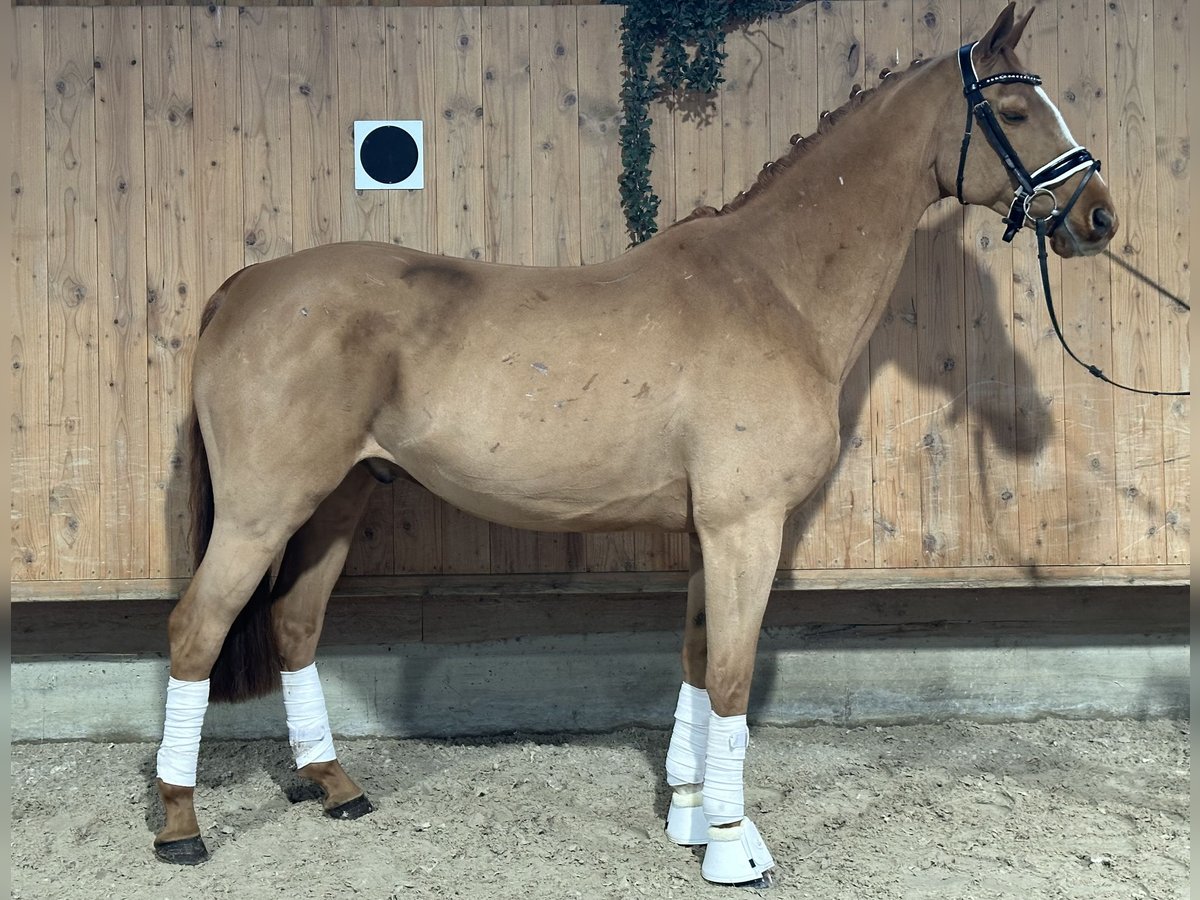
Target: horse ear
997, 36
1014, 36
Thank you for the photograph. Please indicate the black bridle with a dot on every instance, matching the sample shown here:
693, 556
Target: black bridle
1030, 185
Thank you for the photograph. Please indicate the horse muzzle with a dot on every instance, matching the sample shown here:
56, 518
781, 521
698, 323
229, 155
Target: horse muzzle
1087, 231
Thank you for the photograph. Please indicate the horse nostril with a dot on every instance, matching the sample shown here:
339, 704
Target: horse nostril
1102, 219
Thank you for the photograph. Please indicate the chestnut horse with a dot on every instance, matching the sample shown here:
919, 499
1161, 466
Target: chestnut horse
688, 385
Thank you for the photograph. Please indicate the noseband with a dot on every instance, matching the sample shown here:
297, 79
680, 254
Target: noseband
1029, 185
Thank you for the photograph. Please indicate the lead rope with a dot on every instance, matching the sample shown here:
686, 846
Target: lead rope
1042, 229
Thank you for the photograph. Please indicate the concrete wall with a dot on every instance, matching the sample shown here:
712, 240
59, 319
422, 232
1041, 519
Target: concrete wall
851, 674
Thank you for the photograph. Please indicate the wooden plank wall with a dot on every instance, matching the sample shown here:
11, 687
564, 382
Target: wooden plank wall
302, 3
183, 143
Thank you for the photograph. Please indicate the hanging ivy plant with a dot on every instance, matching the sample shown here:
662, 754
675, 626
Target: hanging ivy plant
676, 27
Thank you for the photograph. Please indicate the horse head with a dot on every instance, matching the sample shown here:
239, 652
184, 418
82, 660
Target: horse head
1034, 169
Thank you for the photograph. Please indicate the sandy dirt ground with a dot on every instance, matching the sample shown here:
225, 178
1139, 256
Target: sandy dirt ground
1054, 809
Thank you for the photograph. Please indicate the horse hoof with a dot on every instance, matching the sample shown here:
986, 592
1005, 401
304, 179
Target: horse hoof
759, 884
183, 852
351, 809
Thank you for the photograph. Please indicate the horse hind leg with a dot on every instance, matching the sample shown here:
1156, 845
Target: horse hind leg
311, 565
247, 534
236, 560
686, 824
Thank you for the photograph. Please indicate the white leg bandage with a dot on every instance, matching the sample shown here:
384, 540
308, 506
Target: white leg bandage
307, 718
685, 754
724, 797
187, 702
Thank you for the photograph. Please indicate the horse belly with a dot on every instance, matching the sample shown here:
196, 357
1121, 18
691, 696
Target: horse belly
524, 485
566, 450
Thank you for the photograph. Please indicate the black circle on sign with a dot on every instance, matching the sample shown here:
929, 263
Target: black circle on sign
388, 154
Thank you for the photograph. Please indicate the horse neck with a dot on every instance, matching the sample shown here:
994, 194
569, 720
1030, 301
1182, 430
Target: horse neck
835, 226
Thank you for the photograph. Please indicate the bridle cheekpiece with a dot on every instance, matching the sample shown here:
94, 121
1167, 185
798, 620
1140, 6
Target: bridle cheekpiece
1029, 185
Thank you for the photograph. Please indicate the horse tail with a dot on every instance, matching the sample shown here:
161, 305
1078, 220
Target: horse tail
248, 664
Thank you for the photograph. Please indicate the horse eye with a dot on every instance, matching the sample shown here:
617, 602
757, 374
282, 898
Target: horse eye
1013, 117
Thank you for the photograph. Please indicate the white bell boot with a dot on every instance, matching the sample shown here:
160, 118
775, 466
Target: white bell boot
686, 823
736, 855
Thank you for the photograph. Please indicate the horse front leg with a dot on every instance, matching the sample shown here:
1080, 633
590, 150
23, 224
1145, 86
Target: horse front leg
311, 565
739, 562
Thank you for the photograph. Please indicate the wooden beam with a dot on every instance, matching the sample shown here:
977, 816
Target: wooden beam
642, 583
963, 617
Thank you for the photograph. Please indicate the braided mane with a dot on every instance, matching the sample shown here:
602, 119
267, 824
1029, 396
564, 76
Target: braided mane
802, 145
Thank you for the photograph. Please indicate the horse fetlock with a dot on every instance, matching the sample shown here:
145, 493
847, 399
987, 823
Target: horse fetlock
339, 787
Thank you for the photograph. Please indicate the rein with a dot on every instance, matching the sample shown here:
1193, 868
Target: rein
1029, 186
